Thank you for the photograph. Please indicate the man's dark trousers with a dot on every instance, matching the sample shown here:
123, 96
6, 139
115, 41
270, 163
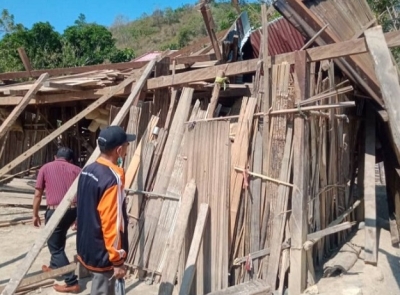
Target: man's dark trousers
57, 241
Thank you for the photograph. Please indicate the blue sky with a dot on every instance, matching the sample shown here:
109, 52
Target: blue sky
62, 13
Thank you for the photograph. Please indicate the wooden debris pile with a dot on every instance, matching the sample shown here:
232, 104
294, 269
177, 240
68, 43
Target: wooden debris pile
244, 188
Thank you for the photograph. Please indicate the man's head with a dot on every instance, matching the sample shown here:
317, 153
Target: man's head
113, 142
65, 153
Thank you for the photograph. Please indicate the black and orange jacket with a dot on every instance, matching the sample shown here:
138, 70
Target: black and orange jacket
102, 238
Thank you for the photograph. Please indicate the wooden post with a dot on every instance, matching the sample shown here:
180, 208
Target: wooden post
371, 243
64, 205
25, 60
6, 125
387, 76
210, 26
176, 240
190, 268
215, 95
298, 220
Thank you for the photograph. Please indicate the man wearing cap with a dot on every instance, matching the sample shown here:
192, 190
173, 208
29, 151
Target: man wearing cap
56, 178
102, 241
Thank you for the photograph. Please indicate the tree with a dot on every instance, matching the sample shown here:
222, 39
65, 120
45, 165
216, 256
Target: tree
80, 44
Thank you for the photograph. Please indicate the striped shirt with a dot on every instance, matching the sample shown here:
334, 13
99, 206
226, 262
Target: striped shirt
56, 178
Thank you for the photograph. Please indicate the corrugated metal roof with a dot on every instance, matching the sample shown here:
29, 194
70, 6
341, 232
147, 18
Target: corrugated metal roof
282, 38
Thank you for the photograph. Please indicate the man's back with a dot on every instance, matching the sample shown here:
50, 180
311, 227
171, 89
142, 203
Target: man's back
56, 178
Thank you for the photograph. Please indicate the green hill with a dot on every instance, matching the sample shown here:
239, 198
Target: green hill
176, 28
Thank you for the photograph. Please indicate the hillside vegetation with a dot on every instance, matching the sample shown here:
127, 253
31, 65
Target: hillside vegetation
176, 28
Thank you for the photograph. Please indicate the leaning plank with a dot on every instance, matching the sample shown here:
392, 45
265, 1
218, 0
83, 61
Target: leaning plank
255, 287
387, 76
135, 161
278, 223
255, 192
45, 276
64, 205
298, 220
197, 239
239, 157
6, 125
371, 239
176, 240
25, 60
215, 95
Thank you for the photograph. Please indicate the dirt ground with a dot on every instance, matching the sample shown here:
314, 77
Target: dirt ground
17, 240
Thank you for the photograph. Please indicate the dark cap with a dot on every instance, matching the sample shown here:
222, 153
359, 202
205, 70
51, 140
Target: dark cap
112, 137
65, 153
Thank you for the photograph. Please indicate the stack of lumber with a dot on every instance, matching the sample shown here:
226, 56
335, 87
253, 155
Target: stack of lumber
245, 195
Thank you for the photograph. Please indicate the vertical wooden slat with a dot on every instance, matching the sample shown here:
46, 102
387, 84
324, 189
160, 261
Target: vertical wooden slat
371, 242
298, 274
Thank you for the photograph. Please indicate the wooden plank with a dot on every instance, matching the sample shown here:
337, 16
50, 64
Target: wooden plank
45, 276
281, 206
135, 161
371, 238
298, 220
210, 26
386, 73
255, 287
195, 58
255, 193
190, 268
176, 240
63, 86
325, 52
12, 117
215, 95
73, 70
330, 230
25, 60
154, 207
239, 158
64, 205
211, 170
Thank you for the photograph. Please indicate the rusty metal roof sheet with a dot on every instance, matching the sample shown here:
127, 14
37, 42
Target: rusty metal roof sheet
282, 38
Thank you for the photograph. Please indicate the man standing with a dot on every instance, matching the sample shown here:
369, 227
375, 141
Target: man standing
56, 178
102, 242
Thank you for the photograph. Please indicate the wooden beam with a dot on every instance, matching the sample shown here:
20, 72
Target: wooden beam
331, 51
215, 95
176, 240
25, 60
74, 70
210, 26
298, 220
6, 125
194, 58
65, 203
387, 76
45, 276
190, 268
371, 238
63, 86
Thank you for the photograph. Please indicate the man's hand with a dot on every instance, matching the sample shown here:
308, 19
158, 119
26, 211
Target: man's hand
36, 221
119, 271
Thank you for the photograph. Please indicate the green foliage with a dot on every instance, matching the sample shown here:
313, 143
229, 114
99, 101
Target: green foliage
80, 44
387, 14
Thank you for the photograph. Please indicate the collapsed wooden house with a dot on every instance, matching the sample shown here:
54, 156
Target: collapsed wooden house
246, 172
